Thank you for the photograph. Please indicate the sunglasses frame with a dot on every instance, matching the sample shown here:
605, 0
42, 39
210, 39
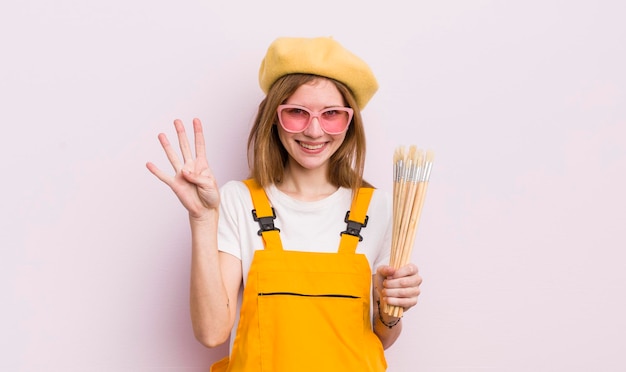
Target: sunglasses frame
314, 114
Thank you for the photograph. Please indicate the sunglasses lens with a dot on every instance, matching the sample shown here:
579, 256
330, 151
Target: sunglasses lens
335, 120
294, 119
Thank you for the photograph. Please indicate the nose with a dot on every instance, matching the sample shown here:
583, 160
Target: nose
314, 130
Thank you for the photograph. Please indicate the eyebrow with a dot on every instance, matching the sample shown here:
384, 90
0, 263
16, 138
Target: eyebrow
308, 108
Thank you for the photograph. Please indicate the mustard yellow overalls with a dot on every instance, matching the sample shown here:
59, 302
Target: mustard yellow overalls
305, 311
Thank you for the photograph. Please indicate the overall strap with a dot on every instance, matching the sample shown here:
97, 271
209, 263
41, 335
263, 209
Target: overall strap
264, 214
356, 219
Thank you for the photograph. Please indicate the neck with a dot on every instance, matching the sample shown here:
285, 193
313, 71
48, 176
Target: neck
306, 184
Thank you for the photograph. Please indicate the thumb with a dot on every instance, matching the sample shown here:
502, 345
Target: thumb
385, 271
191, 177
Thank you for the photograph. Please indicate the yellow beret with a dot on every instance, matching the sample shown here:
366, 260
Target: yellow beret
321, 56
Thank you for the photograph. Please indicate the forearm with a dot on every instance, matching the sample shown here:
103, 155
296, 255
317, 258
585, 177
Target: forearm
209, 301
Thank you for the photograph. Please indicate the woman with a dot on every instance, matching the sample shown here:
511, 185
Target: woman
304, 234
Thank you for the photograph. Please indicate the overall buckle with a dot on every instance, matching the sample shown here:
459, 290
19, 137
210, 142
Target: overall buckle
354, 227
266, 223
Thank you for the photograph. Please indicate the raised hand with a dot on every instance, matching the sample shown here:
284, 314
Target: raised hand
193, 181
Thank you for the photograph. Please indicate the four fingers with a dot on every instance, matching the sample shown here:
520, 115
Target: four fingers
185, 148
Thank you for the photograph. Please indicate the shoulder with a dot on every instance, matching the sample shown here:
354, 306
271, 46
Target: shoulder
234, 187
380, 211
233, 191
381, 195
381, 201
235, 199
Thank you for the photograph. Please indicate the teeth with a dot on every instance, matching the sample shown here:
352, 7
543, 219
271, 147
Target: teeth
311, 147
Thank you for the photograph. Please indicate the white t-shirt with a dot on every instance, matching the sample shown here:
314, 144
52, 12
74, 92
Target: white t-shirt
304, 226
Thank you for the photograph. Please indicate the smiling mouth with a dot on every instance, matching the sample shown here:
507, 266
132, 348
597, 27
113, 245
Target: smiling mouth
312, 147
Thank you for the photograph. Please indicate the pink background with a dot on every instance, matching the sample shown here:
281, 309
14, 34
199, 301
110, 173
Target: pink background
521, 242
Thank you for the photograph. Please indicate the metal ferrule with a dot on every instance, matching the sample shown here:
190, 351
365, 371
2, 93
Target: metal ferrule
408, 176
399, 170
418, 173
427, 169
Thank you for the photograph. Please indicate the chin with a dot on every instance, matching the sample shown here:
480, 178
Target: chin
310, 164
